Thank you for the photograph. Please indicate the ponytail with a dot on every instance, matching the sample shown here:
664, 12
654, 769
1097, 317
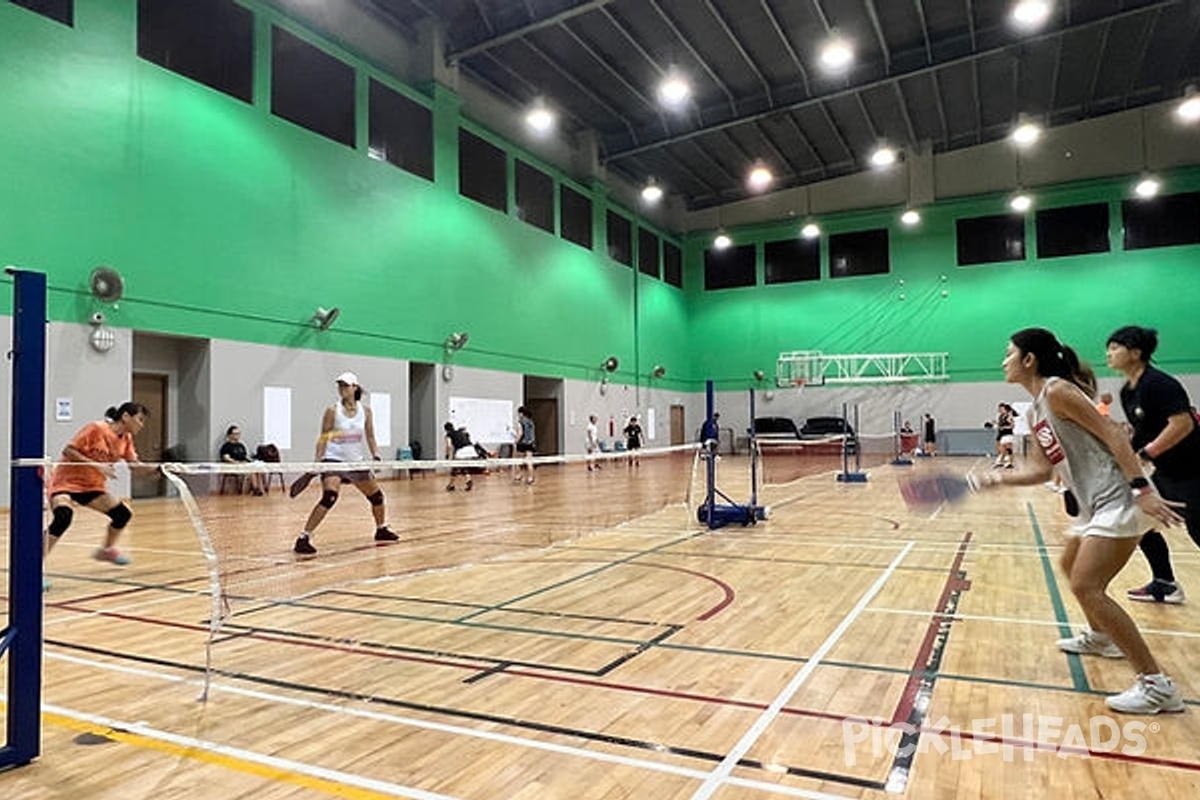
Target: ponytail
1055, 359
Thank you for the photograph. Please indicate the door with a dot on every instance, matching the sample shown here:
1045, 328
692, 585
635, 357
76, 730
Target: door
151, 391
544, 413
678, 430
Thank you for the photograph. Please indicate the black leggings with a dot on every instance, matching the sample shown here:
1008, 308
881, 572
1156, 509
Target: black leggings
1154, 544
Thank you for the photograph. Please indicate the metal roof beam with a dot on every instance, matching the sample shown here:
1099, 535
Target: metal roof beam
741, 50
1058, 33
524, 30
787, 43
883, 45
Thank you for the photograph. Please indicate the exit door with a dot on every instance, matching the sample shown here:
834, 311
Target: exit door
151, 391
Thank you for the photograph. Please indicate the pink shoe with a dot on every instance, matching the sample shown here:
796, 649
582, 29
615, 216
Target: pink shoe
112, 555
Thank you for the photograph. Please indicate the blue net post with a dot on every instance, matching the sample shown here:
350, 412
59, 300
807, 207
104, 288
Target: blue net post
22, 639
847, 475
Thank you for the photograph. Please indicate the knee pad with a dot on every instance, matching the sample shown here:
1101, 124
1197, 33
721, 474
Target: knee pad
120, 515
328, 498
61, 521
377, 498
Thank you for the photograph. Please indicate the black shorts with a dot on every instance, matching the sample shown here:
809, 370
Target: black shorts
82, 498
523, 447
351, 476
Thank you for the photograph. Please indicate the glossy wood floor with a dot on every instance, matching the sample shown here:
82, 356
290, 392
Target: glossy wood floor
576, 639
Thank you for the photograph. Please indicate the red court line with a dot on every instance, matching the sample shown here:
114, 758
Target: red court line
915, 676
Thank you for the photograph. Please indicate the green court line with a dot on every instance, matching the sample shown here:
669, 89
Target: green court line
1074, 661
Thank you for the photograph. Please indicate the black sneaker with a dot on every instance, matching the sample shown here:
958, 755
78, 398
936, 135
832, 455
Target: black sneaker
304, 547
385, 534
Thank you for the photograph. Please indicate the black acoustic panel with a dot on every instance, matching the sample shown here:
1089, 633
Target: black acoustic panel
399, 130
620, 239
209, 41
672, 265
859, 253
1161, 221
482, 173
576, 212
792, 260
535, 196
311, 88
648, 261
1072, 231
729, 268
58, 10
992, 239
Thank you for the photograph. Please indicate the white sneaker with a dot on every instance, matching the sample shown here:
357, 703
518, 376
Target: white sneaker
1090, 643
1150, 694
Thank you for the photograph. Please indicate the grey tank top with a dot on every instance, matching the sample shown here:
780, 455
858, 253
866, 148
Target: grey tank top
1082, 460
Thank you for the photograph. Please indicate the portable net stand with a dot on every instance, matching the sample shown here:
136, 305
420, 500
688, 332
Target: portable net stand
902, 448
717, 515
846, 475
21, 641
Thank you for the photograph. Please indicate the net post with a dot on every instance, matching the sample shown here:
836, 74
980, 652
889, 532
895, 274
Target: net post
900, 459
22, 639
846, 476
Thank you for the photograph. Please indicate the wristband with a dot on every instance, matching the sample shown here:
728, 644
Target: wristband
1144, 454
1140, 486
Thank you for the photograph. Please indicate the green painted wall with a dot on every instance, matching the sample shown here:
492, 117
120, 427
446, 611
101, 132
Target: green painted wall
1082, 298
228, 222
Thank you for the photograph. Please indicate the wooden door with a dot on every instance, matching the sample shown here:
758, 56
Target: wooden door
678, 430
545, 421
151, 391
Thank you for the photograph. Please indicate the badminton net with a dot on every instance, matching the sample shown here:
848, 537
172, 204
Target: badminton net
247, 540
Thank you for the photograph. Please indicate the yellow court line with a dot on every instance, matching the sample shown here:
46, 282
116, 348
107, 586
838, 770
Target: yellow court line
224, 759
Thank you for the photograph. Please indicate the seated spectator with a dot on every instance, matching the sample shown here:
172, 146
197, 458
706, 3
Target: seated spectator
234, 452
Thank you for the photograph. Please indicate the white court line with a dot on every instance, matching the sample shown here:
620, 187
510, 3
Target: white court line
395, 719
1018, 621
720, 775
274, 762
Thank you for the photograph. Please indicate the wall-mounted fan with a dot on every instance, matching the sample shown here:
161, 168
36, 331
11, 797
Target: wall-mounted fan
106, 284
324, 317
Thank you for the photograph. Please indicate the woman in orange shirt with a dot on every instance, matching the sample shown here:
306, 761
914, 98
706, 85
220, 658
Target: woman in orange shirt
83, 478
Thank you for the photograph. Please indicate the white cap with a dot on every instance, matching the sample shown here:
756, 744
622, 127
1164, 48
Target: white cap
348, 378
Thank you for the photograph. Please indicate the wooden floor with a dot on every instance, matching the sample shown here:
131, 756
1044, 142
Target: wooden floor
577, 639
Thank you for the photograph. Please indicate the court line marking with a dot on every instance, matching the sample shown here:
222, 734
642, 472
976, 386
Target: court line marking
722, 772
1018, 621
308, 776
378, 716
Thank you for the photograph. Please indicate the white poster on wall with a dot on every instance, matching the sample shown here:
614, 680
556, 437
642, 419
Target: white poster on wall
381, 413
277, 416
488, 421
650, 434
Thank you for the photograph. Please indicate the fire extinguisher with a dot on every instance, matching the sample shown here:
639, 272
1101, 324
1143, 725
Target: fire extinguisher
612, 426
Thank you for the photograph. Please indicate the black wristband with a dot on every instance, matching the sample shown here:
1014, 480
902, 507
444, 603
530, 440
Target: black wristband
1139, 483
1143, 455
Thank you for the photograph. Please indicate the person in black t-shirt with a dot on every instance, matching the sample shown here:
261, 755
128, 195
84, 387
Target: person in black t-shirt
1165, 433
234, 452
460, 446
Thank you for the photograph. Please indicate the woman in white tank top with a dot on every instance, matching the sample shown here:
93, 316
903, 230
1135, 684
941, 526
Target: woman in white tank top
347, 435
1098, 464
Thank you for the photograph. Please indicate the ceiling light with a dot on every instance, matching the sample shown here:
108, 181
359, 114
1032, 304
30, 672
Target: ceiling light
1189, 109
760, 178
674, 90
1026, 134
540, 118
722, 241
883, 157
810, 231
1147, 187
1020, 203
652, 192
910, 217
836, 55
1031, 13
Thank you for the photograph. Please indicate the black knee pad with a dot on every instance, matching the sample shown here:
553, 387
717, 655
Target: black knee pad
377, 498
61, 521
328, 498
120, 515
